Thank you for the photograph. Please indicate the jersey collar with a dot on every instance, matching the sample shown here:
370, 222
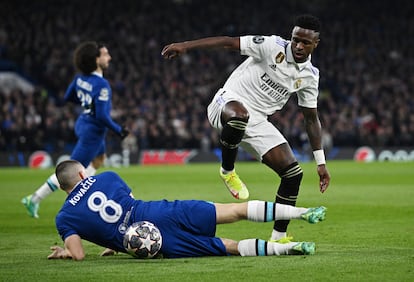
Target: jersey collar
291, 59
97, 73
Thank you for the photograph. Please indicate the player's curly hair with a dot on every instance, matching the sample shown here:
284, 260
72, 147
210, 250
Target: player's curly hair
85, 56
308, 22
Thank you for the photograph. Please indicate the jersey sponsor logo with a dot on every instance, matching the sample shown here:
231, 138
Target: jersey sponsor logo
273, 89
258, 39
279, 57
84, 187
104, 94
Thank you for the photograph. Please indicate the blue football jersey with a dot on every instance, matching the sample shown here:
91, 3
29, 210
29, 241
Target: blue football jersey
98, 210
94, 94
101, 208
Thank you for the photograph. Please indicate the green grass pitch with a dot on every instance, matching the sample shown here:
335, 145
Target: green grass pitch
368, 234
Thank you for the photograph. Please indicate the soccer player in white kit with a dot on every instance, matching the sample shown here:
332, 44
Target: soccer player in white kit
274, 70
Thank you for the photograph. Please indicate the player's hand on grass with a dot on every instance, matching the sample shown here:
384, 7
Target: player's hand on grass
324, 178
58, 253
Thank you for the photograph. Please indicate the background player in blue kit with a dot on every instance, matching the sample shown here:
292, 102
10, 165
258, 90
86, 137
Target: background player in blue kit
100, 208
93, 92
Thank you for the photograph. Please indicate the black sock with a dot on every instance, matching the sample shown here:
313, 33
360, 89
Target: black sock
228, 158
288, 191
230, 138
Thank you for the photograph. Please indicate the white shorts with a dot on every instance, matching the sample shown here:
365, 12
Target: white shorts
260, 135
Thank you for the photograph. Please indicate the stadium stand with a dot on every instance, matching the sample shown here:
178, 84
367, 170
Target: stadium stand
365, 60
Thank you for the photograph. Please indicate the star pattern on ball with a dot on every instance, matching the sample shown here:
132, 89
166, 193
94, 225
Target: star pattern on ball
147, 243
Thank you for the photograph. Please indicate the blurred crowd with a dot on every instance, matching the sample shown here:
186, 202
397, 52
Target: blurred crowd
365, 62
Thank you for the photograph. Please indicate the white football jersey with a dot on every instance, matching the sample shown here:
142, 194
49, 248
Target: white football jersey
269, 76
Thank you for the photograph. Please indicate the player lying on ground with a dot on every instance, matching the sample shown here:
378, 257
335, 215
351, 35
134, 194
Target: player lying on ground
100, 208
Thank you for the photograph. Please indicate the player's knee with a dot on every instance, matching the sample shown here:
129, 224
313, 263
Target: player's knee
234, 110
233, 132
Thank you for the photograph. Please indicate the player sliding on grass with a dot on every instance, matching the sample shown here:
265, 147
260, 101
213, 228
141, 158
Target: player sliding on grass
100, 208
93, 92
274, 70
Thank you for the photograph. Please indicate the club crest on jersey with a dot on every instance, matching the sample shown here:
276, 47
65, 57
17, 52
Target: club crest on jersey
279, 57
297, 83
258, 39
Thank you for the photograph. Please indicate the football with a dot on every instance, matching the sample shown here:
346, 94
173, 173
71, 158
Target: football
143, 240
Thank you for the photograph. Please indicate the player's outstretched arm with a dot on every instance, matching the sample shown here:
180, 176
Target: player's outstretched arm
222, 42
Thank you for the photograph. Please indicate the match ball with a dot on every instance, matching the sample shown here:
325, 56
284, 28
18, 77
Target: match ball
143, 240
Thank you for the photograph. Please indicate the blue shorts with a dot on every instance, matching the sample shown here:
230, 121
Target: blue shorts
188, 227
91, 141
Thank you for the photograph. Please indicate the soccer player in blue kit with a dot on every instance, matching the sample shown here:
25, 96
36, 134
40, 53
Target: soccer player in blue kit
93, 92
100, 208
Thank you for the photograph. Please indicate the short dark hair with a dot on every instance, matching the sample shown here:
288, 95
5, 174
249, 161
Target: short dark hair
85, 56
308, 22
66, 173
